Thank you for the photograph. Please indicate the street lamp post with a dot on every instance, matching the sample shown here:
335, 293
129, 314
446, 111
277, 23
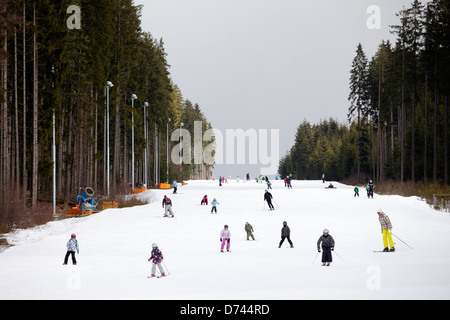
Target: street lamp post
108, 86
133, 97
167, 151
181, 148
145, 150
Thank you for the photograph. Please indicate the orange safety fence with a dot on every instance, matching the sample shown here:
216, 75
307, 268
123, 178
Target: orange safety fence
109, 205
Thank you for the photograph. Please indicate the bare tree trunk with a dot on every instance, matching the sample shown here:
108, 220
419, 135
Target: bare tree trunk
24, 129
35, 116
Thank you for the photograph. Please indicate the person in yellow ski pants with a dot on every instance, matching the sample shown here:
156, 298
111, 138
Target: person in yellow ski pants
386, 228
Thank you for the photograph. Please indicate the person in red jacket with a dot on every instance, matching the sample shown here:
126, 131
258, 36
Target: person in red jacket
167, 205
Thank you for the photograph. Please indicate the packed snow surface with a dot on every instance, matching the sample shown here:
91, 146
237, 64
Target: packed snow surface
116, 243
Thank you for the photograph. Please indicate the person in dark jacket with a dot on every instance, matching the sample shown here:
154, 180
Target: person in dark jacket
268, 197
327, 242
285, 234
156, 258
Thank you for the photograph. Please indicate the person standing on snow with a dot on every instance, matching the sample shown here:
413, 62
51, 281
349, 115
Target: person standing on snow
249, 229
285, 234
167, 205
386, 229
369, 189
214, 204
72, 246
356, 192
268, 197
288, 182
156, 258
225, 236
204, 200
327, 242
175, 186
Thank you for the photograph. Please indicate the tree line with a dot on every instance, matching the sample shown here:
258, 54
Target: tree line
398, 113
52, 75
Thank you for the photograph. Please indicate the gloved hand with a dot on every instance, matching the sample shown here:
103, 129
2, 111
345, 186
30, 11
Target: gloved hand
220, 239
332, 248
318, 249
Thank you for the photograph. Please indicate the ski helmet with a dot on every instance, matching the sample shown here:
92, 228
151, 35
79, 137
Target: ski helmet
225, 226
73, 235
325, 231
380, 210
154, 245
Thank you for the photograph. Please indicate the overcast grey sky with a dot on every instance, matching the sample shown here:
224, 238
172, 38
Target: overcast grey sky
266, 64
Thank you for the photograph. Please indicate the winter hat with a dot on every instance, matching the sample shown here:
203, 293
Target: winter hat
380, 210
154, 245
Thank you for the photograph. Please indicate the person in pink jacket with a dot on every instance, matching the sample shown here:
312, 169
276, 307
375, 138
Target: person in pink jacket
225, 236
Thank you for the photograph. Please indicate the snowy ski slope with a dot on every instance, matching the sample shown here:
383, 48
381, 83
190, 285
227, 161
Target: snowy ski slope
116, 243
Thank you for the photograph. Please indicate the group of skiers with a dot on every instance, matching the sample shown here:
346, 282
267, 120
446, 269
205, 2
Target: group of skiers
325, 243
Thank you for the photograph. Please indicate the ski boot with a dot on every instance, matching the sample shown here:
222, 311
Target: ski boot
392, 249
386, 249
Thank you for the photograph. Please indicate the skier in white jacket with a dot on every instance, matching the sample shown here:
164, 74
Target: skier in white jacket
72, 246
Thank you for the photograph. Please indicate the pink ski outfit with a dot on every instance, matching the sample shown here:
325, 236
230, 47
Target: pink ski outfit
225, 235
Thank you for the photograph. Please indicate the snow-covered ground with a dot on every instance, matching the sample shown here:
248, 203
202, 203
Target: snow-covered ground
115, 245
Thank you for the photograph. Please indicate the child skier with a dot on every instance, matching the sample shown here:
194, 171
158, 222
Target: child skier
167, 205
156, 258
356, 192
386, 229
204, 200
225, 235
249, 229
72, 245
369, 189
175, 186
327, 246
285, 233
214, 204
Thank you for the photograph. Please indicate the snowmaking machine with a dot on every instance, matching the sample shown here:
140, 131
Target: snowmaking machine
85, 203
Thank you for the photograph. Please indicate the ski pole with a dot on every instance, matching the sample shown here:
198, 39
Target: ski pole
402, 241
316, 257
338, 255
277, 204
165, 267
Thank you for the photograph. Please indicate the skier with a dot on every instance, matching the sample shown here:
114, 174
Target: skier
369, 189
269, 184
356, 192
268, 197
204, 200
167, 205
175, 186
285, 233
323, 177
225, 235
327, 246
72, 245
386, 229
214, 204
156, 258
288, 182
249, 229
220, 181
